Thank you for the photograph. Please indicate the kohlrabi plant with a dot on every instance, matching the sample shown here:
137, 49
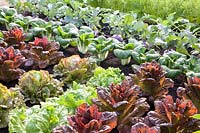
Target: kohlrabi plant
173, 63
10, 61
74, 68
101, 47
39, 85
42, 53
6, 16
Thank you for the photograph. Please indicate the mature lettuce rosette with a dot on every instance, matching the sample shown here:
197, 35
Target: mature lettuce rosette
88, 119
124, 100
42, 53
173, 116
191, 91
105, 77
152, 81
74, 68
39, 85
10, 61
13, 36
9, 99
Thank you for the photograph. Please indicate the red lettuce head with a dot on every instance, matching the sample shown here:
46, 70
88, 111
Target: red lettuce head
10, 61
13, 36
42, 53
173, 116
41, 42
191, 91
88, 119
151, 79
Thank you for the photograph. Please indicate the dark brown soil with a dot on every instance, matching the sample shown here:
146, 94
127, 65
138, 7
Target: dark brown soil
4, 130
112, 61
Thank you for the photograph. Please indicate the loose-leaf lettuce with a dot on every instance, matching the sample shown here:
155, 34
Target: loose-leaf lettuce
39, 85
151, 79
42, 53
122, 99
9, 99
74, 68
10, 61
37, 119
105, 77
89, 119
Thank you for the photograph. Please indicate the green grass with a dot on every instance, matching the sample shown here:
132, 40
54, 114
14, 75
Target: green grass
189, 9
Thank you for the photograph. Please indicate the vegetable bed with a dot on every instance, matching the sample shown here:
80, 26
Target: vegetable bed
69, 67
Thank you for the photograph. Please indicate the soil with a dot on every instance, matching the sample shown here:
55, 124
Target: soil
112, 61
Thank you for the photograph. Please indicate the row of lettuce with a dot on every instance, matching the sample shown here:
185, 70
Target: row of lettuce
173, 57
103, 101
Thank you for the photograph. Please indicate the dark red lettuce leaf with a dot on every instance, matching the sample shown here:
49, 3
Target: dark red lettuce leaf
191, 91
42, 53
88, 119
143, 128
152, 81
15, 38
173, 117
122, 99
10, 61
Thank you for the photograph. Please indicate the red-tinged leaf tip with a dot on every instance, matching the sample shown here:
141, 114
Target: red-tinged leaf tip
17, 33
41, 41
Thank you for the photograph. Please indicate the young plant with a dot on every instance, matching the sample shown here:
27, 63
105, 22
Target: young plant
42, 53
192, 68
86, 36
152, 81
122, 99
173, 63
39, 85
74, 68
105, 77
66, 35
6, 16
10, 61
173, 117
124, 53
101, 47
88, 119
191, 91
9, 99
